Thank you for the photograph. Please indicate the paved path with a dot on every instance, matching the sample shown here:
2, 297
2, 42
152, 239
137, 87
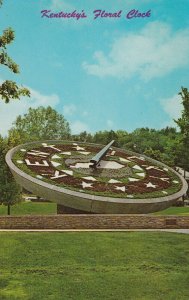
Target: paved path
181, 171
186, 231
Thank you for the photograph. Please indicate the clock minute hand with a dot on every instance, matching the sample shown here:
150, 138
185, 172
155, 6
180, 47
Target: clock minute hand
96, 159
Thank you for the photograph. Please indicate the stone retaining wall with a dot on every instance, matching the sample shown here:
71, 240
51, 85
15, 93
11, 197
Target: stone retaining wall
93, 222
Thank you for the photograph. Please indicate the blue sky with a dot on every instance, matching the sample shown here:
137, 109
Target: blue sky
103, 74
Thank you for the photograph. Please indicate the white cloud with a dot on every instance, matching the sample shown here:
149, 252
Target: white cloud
173, 107
9, 112
37, 99
78, 126
69, 110
153, 52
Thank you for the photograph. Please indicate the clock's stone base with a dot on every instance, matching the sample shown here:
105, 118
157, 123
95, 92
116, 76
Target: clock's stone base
61, 209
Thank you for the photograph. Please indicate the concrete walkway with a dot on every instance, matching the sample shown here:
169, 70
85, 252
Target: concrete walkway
186, 231
181, 171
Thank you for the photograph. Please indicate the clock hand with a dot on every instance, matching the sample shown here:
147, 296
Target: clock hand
96, 159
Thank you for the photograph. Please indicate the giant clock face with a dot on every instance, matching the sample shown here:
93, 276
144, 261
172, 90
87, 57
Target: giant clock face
119, 174
94, 178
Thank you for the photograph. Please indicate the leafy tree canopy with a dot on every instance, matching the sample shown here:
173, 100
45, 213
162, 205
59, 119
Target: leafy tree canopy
39, 124
183, 123
9, 89
10, 192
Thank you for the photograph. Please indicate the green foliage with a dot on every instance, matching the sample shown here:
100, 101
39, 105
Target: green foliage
14, 138
96, 266
103, 137
7, 37
7, 61
83, 137
156, 154
10, 192
39, 124
9, 90
142, 139
183, 123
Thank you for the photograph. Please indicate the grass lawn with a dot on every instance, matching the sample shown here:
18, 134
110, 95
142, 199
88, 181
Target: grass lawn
47, 208
79, 266
30, 208
181, 211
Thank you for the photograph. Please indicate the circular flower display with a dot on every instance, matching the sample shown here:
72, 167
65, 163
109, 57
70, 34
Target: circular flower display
119, 175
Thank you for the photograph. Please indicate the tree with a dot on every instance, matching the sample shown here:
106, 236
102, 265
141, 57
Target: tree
183, 123
155, 154
104, 137
122, 137
10, 192
39, 124
9, 89
84, 136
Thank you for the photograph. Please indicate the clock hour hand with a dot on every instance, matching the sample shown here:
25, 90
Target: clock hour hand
96, 159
